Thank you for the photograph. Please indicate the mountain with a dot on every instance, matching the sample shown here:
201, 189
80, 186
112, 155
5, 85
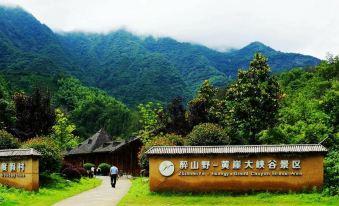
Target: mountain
278, 61
26, 45
134, 69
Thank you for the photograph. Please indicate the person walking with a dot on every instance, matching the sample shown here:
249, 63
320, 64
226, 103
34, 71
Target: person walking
92, 172
113, 173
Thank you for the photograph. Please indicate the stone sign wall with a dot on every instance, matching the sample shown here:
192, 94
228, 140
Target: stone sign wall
236, 172
20, 168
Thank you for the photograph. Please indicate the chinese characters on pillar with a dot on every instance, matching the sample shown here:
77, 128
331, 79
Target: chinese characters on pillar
12, 169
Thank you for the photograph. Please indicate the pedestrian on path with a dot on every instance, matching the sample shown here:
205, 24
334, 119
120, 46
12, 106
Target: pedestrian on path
92, 172
113, 173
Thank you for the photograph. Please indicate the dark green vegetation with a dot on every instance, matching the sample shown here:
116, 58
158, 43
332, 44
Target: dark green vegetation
92, 109
43, 70
55, 189
207, 134
8, 141
295, 107
131, 68
140, 195
50, 160
88, 108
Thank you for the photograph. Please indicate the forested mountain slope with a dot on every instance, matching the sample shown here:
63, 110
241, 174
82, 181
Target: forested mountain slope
134, 69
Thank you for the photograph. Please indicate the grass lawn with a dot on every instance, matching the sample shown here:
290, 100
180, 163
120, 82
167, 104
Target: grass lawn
55, 190
139, 194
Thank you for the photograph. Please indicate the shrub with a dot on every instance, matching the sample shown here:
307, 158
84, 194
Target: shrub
54, 180
166, 140
7, 141
50, 160
88, 166
65, 165
174, 139
71, 174
82, 171
104, 167
332, 171
208, 134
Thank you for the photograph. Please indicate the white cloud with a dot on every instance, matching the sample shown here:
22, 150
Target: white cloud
305, 26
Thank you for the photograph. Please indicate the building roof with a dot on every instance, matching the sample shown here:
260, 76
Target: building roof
114, 145
236, 149
92, 143
18, 152
100, 142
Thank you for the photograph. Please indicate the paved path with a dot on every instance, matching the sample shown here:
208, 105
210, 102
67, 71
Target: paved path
104, 195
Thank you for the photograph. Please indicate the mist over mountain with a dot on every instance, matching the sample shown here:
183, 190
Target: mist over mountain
131, 68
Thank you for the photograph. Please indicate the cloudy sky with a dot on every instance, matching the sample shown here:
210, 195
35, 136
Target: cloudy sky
304, 26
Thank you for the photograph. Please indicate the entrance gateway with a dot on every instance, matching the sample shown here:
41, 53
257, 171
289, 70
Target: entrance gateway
236, 168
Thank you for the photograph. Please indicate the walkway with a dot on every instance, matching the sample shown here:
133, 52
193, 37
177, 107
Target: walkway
104, 195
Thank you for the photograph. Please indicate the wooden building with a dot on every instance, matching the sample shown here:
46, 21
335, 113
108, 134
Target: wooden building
236, 168
100, 148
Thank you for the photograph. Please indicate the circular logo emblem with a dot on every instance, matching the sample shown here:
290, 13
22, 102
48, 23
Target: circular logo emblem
166, 168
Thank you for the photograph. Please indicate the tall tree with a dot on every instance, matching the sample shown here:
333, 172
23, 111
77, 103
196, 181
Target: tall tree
200, 108
34, 114
62, 132
7, 113
174, 119
253, 102
149, 119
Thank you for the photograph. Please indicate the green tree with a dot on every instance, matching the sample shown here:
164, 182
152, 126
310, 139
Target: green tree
149, 119
208, 134
173, 119
200, 109
7, 141
309, 114
159, 140
7, 112
51, 157
62, 132
252, 102
34, 114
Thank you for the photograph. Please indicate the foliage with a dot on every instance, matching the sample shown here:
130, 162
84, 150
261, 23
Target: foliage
88, 166
50, 160
173, 118
147, 69
309, 114
71, 174
92, 109
54, 189
62, 132
252, 102
140, 194
160, 140
65, 165
7, 141
310, 108
332, 170
82, 171
149, 119
104, 167
208, 134
34, 114
7, 117
200, 109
